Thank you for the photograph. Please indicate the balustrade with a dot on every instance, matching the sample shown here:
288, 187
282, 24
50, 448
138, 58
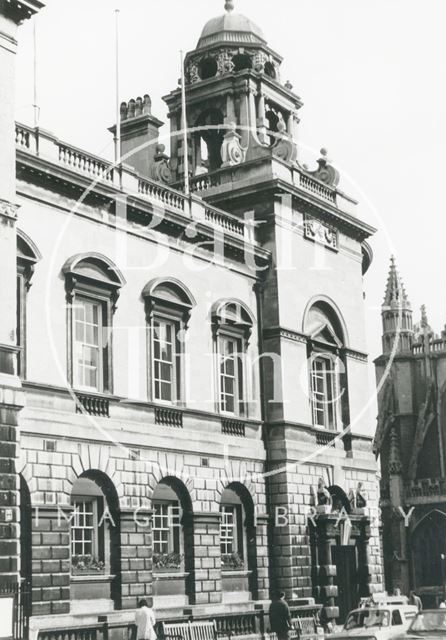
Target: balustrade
159, 192
225, 221
93, 405
80, 161
232, 427
427, 487
169, 417
324, 438
22, 137
309, 184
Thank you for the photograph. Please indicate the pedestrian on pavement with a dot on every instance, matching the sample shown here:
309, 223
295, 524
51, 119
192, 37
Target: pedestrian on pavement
145, 622
280, 617
415, 600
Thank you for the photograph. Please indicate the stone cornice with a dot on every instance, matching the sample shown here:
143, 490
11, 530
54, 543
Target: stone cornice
20, 11
171, 222
356, 355
285, 334
240, 190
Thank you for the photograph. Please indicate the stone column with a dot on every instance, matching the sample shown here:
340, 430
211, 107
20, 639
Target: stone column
136, 556
207, 558
262, 122
11, 400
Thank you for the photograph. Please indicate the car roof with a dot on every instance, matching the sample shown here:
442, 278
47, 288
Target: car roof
388, 607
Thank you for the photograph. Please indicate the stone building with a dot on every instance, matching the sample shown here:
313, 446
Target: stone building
410, 438
184, 377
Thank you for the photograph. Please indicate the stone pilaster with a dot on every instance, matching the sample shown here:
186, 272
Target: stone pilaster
9, 494
290, 561
11, 399
50, 560
136, 556
260, 581
207, 558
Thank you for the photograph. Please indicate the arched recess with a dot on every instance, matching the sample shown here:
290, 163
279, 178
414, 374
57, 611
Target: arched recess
169, 290
238, 540
242, 61
173, 541
326, 350
329, 314
428, 542
95, 539
25, 532
209, 139
94, 266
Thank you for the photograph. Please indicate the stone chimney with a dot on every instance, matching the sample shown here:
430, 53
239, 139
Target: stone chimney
139, 128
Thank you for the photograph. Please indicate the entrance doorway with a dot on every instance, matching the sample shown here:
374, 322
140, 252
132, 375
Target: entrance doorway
345, 559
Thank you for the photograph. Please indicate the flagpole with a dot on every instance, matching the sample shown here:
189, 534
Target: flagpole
117, 105
184, 127
35, 96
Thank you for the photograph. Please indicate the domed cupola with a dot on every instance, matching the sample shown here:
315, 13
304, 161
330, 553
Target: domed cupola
230, 28
237, 107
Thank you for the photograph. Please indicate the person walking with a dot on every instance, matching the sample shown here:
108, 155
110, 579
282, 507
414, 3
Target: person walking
145, 622
415, 600
280, 617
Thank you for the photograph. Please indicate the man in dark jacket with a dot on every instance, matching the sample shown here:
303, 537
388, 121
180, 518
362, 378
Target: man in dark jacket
280, 617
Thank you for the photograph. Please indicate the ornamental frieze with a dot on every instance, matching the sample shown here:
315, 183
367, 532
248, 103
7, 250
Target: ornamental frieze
8, 210
320, 232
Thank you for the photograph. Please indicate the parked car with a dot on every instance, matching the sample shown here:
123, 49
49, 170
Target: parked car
377, 622
429, 625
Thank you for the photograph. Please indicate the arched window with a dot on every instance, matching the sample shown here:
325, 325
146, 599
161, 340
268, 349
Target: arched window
173, 541
168, 305
242, 61
237, 540
270, 70
168, 542
27, 257
92, 286
328, 383
428, 543
232, 324
95, 541
208, 68
212, 136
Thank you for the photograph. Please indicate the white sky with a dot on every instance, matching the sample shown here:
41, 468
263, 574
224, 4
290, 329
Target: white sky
370, 73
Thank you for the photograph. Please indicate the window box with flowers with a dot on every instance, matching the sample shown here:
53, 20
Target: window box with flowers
232, 562
86, 565
167, 562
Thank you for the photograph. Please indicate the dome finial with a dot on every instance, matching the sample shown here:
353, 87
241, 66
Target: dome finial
229, 5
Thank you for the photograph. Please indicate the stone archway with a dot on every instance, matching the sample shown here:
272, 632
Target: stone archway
428, 542
238, 542
172, 543
95, 541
